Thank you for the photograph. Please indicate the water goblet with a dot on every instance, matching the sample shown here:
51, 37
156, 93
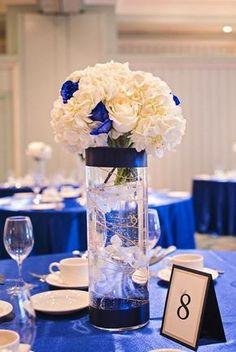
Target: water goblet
154, 229
21, 319
18, 240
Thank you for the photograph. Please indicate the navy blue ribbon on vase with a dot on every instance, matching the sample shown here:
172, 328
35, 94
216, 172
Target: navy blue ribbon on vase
115, 157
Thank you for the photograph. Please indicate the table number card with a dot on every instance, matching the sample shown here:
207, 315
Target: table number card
191, 309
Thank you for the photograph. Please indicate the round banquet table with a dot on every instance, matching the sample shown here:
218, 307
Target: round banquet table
74, 333
65, 229
214, 203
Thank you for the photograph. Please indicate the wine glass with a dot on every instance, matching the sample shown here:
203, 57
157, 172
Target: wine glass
20, 317
154, 229
18, 239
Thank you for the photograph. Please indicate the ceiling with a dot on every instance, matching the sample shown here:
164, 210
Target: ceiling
161, 15
167, 19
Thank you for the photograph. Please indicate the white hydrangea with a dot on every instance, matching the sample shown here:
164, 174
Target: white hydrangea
140, 108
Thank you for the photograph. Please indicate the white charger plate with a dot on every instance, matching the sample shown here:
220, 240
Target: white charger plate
54, 279
60, 301
5, 308
164, 274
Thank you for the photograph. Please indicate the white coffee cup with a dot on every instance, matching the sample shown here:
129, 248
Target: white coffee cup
9, 341
188, 260
73, 271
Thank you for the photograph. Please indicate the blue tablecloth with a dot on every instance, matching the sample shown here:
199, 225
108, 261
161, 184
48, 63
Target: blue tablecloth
215, 206
64, 230
74, 333
55, 231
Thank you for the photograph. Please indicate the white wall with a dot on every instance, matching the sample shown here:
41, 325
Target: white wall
50, 48
206, 89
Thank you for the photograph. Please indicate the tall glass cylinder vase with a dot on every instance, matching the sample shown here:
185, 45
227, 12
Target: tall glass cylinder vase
117, 241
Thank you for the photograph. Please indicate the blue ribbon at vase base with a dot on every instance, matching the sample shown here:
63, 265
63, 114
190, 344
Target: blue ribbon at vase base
119, 319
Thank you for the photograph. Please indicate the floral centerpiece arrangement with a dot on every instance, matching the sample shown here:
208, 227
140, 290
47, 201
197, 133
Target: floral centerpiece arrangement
39, 151
111, 105
114, 116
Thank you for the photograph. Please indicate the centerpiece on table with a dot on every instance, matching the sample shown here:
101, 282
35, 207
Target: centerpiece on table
39, 152
115, 116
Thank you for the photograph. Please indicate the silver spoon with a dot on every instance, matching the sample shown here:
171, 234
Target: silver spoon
157, 259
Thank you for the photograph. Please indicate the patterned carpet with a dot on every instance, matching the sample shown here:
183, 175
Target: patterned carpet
225, 243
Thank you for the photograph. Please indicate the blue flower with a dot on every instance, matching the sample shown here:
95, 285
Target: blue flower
67, 90
176, 100
100, 113
103, 128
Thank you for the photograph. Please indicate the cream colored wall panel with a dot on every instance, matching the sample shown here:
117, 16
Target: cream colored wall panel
50, 48
206, 89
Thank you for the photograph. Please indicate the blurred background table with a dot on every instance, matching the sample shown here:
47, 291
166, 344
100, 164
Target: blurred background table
78, 334
8, 191
214, 201
63, 228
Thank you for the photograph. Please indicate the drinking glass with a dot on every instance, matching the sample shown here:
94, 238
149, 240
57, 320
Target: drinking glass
154, 229
21, 318
18, 239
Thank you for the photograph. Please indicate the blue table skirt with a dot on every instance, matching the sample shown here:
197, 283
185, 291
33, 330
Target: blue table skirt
177, 224
215, 206
64, 230
74, 333
55, 231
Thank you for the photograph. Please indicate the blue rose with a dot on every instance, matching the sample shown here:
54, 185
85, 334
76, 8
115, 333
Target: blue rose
100, 113
67, 90
176, 100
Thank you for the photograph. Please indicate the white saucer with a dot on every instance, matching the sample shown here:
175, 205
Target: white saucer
167, 350
5, 308
60, 301
48, 199
164, 274
54, 279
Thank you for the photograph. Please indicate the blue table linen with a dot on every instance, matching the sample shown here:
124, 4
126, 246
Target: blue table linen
74, 333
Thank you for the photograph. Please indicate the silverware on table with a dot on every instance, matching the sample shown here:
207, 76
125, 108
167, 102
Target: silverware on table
156, 259
77, 253
40, 277
2, 279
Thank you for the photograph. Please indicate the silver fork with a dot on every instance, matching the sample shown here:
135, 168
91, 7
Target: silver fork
40, 277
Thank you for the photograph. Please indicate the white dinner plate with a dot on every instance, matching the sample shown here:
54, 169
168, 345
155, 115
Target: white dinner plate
178, 194
5, 308
43, 206
60, 301
164, 274
54, 279
23, 195
71, 194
